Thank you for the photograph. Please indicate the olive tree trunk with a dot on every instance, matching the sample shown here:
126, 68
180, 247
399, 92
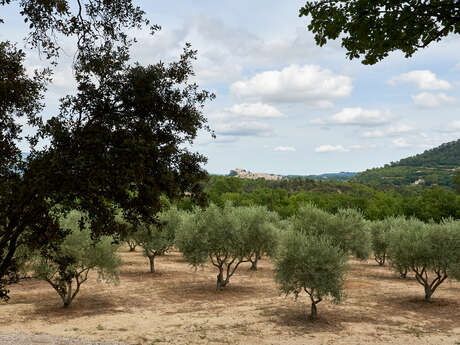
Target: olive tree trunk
132, 246
422, 278
66, 293
226, 270
152, 263
314, 302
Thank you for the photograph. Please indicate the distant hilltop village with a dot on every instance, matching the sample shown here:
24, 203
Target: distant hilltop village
241, 173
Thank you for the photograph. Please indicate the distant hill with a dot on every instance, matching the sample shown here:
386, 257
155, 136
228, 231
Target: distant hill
341, 176
435, 166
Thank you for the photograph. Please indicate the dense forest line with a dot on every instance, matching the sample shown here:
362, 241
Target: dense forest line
375, 202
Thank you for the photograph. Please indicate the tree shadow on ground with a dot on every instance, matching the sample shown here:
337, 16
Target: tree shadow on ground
438, 314
297, 318
51, 309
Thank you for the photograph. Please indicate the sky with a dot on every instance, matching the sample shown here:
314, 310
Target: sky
284, 105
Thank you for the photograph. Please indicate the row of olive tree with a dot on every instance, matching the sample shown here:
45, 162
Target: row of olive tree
310, 250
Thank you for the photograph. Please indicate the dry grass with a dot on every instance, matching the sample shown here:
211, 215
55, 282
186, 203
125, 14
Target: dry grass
177, 305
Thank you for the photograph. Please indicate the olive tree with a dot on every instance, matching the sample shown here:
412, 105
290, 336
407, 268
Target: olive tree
346, 229
379, 233
259, 230
310, 264
430, 251
215, 234
156, 239
67, 266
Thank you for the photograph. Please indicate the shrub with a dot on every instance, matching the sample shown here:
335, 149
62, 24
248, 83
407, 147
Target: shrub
312, 264
66, 267
431, 251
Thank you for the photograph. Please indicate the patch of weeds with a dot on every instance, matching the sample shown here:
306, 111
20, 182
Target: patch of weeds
75, 329
100, 327
158, 340
415, 331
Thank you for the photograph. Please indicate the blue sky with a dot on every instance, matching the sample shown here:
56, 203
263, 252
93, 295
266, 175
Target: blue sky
283, 104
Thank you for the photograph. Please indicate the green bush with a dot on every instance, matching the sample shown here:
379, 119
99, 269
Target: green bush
312, 264
66, 267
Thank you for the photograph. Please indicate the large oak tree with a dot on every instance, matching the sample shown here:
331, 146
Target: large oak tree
117, 144
374, 28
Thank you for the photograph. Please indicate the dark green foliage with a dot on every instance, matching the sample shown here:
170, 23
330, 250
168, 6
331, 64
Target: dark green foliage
89, 21
132, 122
430, 251
374, 28
347, 229
24, 208
66, 267
311, 264
117, 144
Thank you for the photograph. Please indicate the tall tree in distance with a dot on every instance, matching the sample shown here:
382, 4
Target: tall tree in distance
374, 28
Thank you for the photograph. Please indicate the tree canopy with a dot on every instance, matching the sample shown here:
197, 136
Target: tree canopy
374, 28
118, 143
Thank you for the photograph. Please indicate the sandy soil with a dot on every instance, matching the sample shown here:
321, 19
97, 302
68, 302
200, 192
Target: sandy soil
177, 305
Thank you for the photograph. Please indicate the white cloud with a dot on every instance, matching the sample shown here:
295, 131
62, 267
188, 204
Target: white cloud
374, 134
331, 148
257, 110
400, 143
285, 148
423, 79
431, 100
390, 131
357, 117
244, 129
307, 84
451, 127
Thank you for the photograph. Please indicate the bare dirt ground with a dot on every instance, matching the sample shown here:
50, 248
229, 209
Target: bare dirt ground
177, 305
